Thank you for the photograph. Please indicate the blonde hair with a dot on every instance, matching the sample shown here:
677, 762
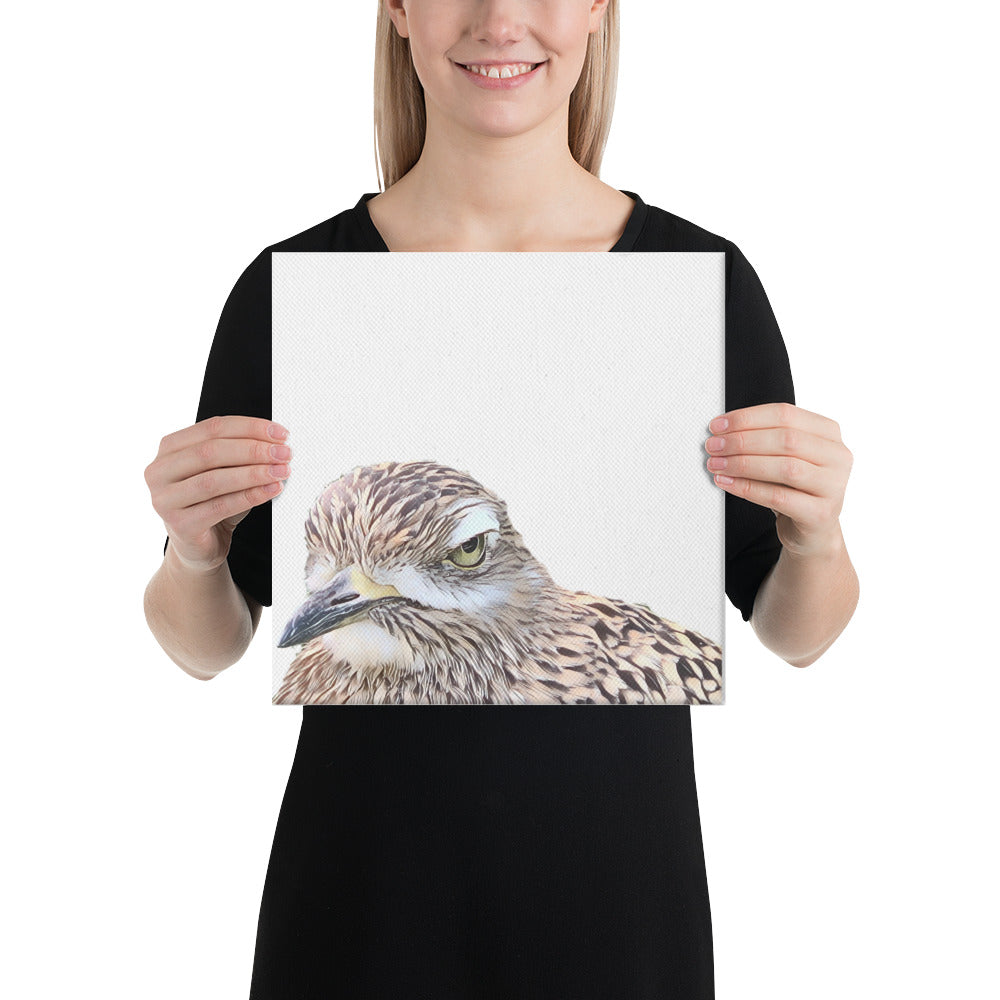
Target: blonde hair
401, 123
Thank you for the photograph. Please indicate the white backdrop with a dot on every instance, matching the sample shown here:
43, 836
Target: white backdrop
848, 807
502, 365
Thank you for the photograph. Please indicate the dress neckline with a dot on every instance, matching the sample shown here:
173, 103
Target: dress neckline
625, 242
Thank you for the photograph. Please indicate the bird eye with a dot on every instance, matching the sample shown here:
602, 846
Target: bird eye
470, 553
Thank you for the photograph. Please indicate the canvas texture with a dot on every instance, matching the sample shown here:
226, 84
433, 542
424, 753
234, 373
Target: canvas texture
498, 492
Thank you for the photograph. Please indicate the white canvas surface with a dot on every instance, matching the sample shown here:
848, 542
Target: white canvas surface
576, 386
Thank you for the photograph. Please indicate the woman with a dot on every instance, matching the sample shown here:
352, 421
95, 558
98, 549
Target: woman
474, 851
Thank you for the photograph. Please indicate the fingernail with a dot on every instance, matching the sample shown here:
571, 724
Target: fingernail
718, 424
278, 432
716, 444
724, 480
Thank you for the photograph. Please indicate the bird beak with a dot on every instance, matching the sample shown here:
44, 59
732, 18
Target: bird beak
346, 598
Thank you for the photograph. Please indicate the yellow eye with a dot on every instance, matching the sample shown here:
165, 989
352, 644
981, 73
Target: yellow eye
470, 553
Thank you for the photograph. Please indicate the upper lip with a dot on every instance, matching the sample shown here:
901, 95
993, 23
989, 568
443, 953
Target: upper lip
498, 62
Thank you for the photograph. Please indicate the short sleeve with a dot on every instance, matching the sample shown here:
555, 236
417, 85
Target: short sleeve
238, 382
757, 371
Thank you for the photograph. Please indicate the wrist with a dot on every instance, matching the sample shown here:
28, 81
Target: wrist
827, 547
183, 569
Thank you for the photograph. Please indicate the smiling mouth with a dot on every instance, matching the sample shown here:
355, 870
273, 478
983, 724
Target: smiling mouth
501, 71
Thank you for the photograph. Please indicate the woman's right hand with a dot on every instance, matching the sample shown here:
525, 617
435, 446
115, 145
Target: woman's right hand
206, 478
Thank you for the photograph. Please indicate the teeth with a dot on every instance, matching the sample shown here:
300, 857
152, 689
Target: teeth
498, 72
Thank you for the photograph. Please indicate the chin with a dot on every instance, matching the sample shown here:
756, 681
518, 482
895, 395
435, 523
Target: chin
365, 644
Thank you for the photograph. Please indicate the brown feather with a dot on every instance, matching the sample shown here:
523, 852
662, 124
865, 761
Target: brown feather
542, 645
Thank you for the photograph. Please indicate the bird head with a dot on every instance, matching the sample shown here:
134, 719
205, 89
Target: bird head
418, 555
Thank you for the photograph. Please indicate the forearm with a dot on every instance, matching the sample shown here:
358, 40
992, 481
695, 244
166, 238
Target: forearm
201, 620
805, 602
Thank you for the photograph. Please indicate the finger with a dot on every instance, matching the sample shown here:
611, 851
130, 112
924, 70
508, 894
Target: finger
196, 520
216, 483
777, 441
217, 453
223, 427
816, 480
802, 508
777, 415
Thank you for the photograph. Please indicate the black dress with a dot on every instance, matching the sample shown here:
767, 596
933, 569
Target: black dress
475, 852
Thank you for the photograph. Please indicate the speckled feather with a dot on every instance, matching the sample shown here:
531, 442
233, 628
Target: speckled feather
539, 644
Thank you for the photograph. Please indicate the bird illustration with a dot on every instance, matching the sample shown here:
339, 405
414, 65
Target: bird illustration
420, 591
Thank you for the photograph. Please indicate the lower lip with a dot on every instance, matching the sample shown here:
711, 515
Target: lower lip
499, 82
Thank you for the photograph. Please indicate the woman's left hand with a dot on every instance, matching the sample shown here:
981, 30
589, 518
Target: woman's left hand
790, 460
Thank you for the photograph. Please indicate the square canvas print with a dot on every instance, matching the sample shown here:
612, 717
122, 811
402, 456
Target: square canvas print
498, 493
